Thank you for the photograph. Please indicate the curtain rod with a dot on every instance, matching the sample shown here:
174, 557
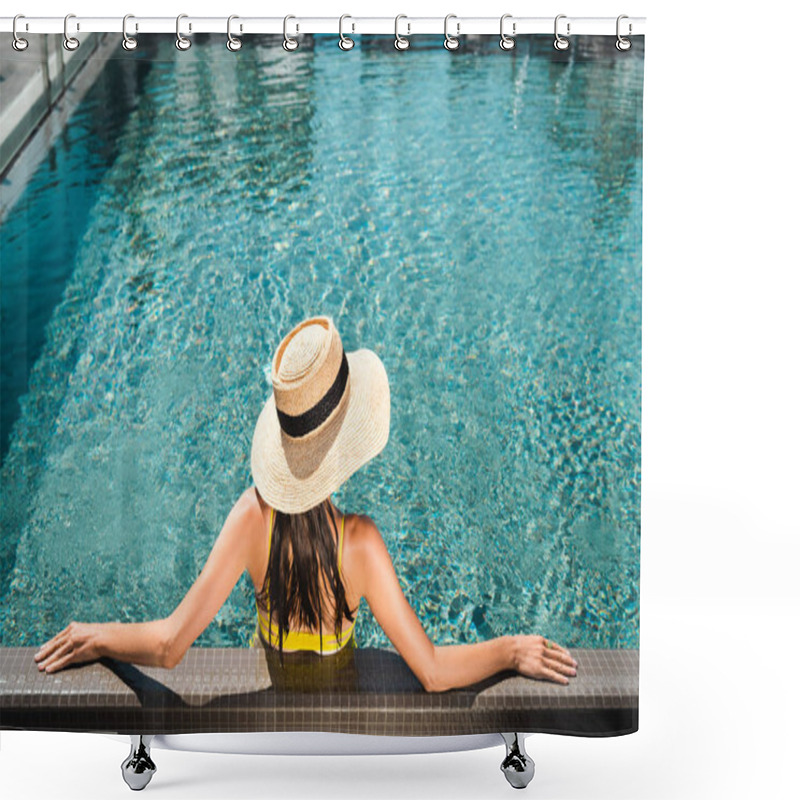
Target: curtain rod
406, 26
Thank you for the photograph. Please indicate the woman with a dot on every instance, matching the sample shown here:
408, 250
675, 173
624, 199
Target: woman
328, 415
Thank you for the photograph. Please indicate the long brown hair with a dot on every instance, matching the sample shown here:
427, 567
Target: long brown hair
295, 590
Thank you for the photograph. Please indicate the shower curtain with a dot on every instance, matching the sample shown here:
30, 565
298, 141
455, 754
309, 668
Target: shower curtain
471, 215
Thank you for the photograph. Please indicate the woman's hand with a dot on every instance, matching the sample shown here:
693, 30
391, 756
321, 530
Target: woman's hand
537, 657
77, 643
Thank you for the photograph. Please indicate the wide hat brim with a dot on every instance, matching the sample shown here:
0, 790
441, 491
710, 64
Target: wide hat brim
294, 475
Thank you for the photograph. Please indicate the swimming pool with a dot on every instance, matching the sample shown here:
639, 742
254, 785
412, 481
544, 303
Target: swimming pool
476, 222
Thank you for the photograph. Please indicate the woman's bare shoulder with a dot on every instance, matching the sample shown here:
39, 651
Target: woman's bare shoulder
250, 504
362, 546
363, 536
248, 515
361, 526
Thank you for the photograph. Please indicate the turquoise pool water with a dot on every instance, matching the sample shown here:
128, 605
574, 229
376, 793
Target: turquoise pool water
474, 218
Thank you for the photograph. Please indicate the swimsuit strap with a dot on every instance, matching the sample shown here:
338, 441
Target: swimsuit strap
269, 536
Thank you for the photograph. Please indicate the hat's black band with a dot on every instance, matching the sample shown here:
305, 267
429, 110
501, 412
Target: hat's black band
310, 420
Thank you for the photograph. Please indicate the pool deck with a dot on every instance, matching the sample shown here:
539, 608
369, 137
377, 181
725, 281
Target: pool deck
365, 691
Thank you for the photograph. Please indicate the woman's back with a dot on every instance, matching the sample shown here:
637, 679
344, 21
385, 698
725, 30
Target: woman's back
344, 532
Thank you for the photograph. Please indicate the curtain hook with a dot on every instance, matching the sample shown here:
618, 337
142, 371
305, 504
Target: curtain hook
128, 42
70, 42
400, 42
507, 42
451, 42
345, 42
289, 44
233, 44
18, 43
182, 43
622, 43
561, 43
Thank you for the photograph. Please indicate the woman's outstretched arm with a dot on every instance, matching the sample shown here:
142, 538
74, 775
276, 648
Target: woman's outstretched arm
439, 668
163, 642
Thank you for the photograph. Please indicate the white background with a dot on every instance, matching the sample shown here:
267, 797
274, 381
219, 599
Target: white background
720, 436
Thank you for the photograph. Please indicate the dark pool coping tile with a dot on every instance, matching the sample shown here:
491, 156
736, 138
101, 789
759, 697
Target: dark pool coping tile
368, 691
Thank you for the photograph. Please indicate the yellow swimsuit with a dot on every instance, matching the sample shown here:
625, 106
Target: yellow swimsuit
268, 633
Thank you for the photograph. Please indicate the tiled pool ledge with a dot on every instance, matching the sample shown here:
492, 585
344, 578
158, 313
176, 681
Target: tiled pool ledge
364, 691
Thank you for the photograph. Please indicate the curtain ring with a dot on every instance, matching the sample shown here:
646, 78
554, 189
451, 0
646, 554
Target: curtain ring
400, 42
345, 42
507, 42
289, 44
182, 43
18, 43
70, 42
128, 42
451, 42
560, 42
233, 44
622, 43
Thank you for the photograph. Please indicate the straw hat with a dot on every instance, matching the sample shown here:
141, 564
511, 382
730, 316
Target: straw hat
327, 416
